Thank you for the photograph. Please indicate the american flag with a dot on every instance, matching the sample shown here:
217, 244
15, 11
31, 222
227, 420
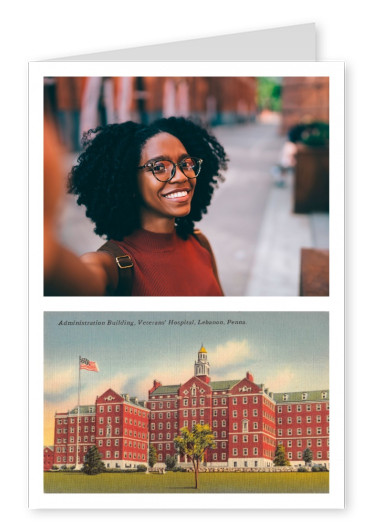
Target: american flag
88, 365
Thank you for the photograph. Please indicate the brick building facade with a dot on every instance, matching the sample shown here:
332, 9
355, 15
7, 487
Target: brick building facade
248, 421
116, 424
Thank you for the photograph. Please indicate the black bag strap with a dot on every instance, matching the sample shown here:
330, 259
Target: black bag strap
125, 268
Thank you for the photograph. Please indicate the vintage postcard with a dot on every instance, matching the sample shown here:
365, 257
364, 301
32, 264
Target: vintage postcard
188, 403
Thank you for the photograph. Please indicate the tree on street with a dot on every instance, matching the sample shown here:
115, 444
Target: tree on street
193, 444
280, 457
93, 462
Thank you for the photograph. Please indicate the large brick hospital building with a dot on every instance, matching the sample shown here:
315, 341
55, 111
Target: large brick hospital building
248, 421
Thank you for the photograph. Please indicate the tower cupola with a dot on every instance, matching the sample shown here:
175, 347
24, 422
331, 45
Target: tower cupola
202, 366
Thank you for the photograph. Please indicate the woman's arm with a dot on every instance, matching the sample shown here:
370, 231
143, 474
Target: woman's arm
64, 272
68, 274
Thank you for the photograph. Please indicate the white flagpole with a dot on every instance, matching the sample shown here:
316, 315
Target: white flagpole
78, 407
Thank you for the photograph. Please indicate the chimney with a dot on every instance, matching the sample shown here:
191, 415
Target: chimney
249, 376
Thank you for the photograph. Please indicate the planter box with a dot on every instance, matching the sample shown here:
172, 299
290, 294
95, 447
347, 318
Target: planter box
311, 185
314, 273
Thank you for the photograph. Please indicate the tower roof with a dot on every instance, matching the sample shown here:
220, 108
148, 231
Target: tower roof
202, 349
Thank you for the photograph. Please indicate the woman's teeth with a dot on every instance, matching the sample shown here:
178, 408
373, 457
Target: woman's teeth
176, 194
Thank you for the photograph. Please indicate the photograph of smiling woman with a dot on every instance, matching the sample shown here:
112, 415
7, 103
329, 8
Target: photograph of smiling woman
144, 187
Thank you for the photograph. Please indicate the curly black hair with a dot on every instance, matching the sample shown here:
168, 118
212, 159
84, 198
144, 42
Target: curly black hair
105, 176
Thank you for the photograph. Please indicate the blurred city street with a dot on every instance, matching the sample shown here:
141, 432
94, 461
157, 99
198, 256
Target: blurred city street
255, 235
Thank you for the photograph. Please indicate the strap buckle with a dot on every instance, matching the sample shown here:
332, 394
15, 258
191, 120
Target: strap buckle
126, 256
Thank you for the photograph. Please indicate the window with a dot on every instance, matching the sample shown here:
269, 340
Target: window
245, 438
304, 396
245, 413
234, 400
289, 444
255, 426
201, 412
285, 397
299, 443
235, 426
234, 413
324, 394
202, 401
235, 451
299, 420
215, 423
289, 420
223, 444
308, 420
245, 451
255, 400
279, 433
223, 401
223, 412
289, 431
223, 434
279, 409
255, 451
289, 409
223, 457
214, 457
245, 400
318, 418
318, 442
235, 438
298, 408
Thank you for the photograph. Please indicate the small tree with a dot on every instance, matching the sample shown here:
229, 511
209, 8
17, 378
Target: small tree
93, 463
171, 462
152, 456
280, 457
307, 456
193, 444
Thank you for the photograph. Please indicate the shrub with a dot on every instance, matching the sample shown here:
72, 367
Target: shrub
319, 468
141, 468
302, 469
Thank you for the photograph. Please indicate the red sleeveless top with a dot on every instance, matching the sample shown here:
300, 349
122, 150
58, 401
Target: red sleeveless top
166, 265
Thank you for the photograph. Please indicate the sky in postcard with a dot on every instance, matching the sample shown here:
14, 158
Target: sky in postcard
287, 351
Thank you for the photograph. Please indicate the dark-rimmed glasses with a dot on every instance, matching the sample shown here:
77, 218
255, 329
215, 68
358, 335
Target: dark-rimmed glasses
165, 170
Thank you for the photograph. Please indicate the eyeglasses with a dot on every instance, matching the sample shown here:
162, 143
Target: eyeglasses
165, 170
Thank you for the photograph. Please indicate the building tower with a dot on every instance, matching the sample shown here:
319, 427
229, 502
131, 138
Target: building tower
202, 366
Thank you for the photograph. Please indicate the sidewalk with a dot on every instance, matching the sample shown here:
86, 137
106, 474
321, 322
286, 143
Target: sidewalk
276, 266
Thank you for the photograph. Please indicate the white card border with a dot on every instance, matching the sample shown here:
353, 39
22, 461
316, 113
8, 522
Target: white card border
334, 304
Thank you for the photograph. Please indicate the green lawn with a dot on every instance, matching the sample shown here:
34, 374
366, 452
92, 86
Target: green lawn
183, 482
